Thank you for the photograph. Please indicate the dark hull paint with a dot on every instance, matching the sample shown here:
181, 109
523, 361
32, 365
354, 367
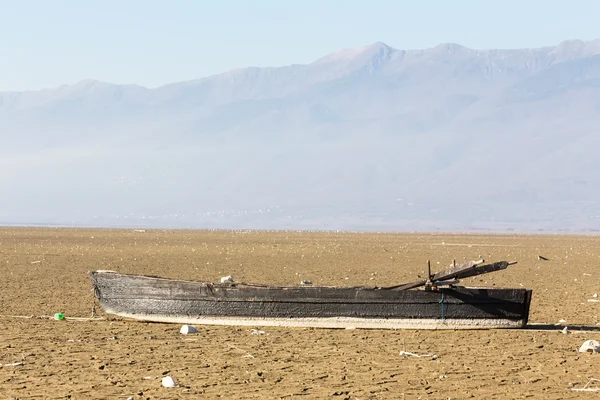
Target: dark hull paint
145, 296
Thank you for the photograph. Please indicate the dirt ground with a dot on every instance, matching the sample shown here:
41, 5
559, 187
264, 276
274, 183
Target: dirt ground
44, 271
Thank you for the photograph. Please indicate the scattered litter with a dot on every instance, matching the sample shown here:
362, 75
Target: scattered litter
85, 318
306, 282
590, 346
35, 262
593, 301
52, 317
139, 230
167, 381
187, 329
595, 295
226, 279
566, 330
407, 353
543, 258
257, 332
247, 355
561, 321
59, 316
17, 364
588, 389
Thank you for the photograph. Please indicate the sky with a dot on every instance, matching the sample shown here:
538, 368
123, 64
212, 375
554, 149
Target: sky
154, 42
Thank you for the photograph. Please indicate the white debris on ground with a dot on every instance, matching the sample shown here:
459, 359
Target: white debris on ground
226, 279
590, 346
188, 329
167, 381
587, 387
257, 332
408, 353
306, 282
566, 330
17, 364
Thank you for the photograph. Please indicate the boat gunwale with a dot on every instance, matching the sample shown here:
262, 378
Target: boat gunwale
232, 285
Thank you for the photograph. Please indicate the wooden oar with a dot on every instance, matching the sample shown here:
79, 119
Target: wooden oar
440, 276
484, 269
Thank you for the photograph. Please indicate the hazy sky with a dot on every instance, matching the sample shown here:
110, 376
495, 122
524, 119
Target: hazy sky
46, 43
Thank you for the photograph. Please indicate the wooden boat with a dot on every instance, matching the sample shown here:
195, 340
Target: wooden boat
440, 304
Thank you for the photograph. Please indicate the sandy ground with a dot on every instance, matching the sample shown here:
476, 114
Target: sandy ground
45, 271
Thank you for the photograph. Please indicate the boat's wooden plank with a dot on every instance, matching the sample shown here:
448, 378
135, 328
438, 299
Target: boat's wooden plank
420, 297
440, 310
130, 287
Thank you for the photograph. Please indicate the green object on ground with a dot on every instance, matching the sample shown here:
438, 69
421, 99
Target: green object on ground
59, 316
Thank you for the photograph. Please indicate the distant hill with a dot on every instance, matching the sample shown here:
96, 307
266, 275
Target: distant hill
374, 138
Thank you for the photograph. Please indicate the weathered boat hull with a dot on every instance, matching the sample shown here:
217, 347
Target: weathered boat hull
157, 299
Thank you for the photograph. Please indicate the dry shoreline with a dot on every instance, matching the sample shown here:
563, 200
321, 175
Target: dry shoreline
45, 271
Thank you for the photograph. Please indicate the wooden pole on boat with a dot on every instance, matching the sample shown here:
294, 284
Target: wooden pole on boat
429, 284
457, 272
429, 275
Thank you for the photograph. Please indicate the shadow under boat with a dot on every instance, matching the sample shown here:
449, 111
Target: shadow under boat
557, 328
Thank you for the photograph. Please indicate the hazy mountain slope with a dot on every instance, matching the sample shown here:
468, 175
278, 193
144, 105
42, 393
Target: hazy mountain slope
374, 137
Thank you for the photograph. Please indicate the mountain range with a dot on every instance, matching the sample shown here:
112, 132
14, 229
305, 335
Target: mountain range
373, 138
